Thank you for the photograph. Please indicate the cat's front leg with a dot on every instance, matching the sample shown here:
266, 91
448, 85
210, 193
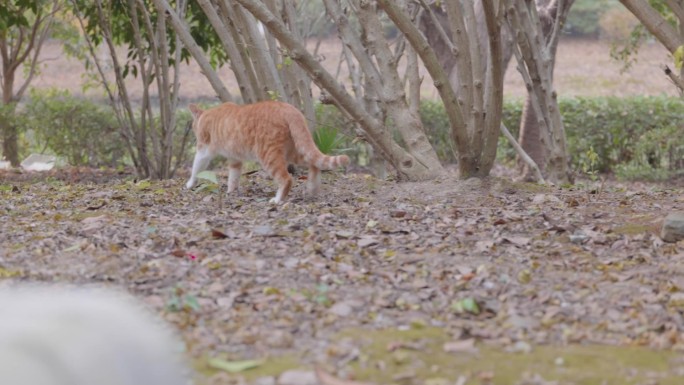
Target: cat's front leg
202, 159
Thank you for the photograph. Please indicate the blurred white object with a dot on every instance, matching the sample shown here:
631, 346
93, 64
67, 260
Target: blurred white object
69, 336
38, 162
5, 165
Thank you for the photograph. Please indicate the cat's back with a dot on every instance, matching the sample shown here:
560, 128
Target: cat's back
271, 116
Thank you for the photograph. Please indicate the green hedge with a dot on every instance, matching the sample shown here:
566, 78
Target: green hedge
635, 137
78, 130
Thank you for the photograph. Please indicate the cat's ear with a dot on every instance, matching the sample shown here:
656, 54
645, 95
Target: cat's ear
195, 110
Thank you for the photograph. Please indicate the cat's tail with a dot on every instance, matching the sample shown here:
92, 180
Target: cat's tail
308, 149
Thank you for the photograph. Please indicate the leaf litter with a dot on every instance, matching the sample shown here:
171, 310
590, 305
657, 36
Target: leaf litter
511, 264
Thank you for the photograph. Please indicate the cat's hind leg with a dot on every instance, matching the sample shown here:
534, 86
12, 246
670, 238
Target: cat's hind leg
276, 165
313, 181
234, 173
202, 159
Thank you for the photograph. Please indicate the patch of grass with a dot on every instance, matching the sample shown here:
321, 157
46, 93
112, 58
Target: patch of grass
272, 366
328, 139
580, 365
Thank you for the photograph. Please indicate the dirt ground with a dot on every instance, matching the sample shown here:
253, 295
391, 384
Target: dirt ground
491, 261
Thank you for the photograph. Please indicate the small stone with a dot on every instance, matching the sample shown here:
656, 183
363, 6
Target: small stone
437, 381
519, 347
341, 309
279, 339
298, 377
367, 241
397, 213
263, 231
265, 381
344, 234
578, 238
673, 227
545, 198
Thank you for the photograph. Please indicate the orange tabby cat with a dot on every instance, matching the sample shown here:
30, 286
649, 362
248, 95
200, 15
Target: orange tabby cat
273, 133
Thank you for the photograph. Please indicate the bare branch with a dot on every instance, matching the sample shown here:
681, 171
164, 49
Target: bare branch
195, 51
299, 54
431, 62
229, 45
523, 155
678, 81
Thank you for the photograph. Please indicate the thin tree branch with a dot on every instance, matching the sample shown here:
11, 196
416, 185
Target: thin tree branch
195, 51
523, 155
454, 112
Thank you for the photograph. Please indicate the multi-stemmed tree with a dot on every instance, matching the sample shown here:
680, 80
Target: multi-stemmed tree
24, 27
385, 97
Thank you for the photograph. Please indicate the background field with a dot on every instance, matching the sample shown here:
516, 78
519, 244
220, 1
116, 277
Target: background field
584, 68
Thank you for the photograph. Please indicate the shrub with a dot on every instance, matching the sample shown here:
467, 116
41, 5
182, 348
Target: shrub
334, 133
78, 130
436, 124
634, 137
624, 131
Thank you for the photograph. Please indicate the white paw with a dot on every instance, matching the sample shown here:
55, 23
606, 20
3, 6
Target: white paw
274, 201
190, 184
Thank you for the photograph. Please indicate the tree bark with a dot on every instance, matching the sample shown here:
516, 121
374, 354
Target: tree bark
10, 140
478, 83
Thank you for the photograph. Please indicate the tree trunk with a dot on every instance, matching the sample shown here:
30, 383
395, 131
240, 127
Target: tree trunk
472, 76
10, 134
529, 138
542, 134
10, 141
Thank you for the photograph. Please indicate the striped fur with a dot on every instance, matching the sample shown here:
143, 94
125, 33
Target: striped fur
273, 133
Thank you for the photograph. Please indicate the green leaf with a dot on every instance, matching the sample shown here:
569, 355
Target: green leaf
467, 305
209, 176
233, 366
679, 57
191, 302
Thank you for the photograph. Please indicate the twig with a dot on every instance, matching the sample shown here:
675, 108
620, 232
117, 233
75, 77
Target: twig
678, 82
220, 196
523, 155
